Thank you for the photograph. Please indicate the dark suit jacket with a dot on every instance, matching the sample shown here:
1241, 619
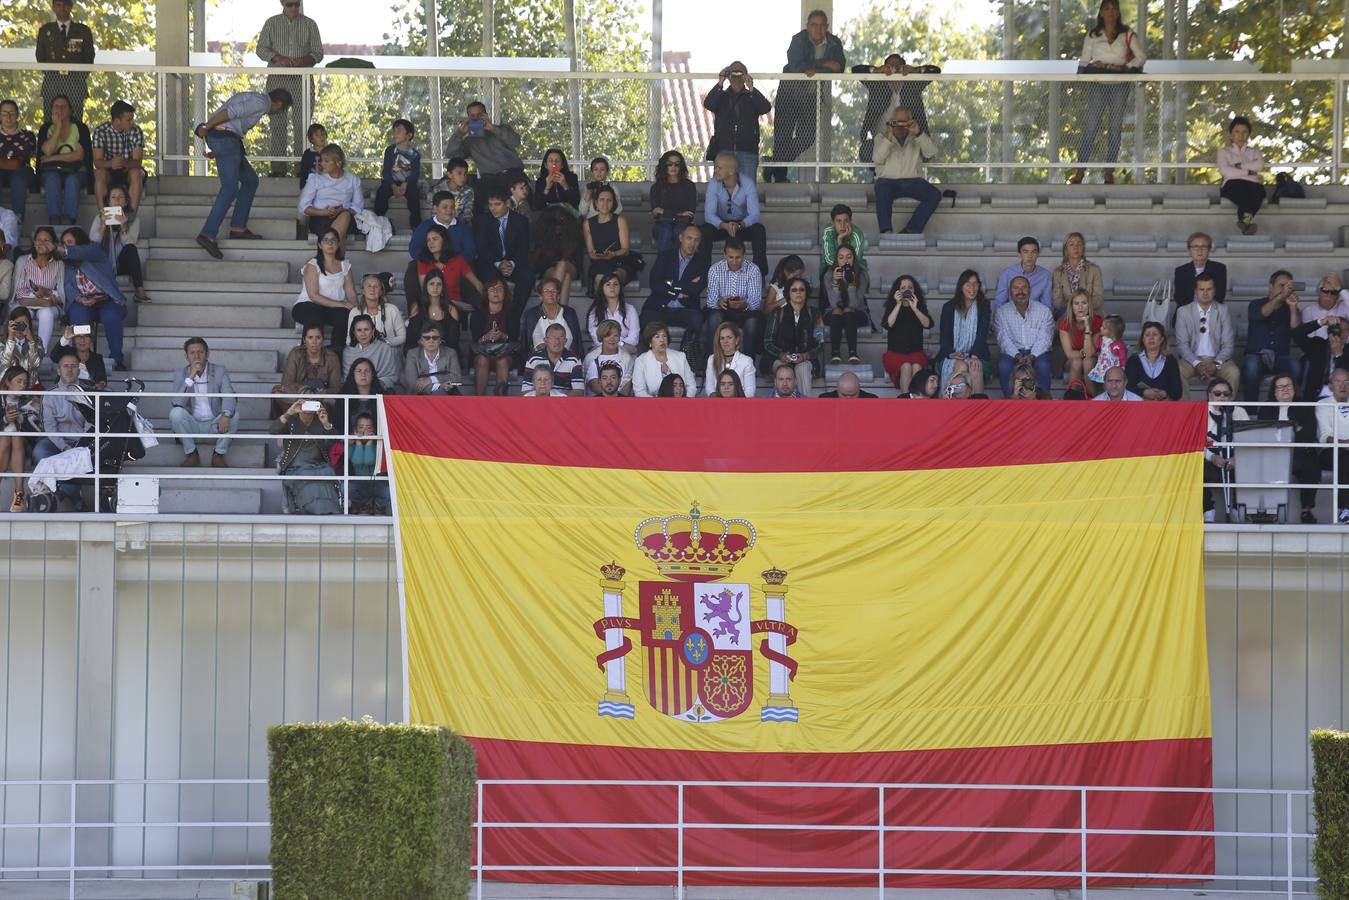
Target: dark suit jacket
490, 251
666, 270
1183, 283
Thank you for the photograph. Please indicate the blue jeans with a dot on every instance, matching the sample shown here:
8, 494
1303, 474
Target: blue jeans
920, 189
107, 313
1253, 368
63, 193
747, 164
1104, 100
666, 235
1006, 364
238, 183
45, 448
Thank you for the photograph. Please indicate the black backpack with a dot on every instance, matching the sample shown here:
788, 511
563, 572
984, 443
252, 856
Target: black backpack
1286, 185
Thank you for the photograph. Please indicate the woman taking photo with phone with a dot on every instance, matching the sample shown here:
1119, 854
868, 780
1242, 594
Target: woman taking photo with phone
116, 229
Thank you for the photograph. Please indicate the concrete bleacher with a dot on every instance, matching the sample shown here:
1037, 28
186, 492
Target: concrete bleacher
241, 304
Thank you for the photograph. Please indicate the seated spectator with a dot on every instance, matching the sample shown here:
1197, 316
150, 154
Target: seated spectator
734, 293
673, 201
327, 290
678, 279
92, 294
658, 362
726, 354
401, 173
433, 369
609, 305
599, 178
839, 233
674, 385
964, 333
608, 351
494, 338
437, 255
557, 246
900, 153
1037, 277
1306, 459
456, 184
904, 318
434, 309
959, 388
557, 184
1218, 460
736, 110
1025, 386
1205, 337
728, 385
40, 282
304, 455
1025, 330
607, 242
568, 376
192, 413
521, 199
317, 136
19, 411
365, 343
331, 198
9, 245
1115, 386
1322, 357
1077, 273
502, 238
548, 313
1111, 46
1187, 274
369, 487
117, 235
446, 214
845, 293
373, 301
494, 148
64, 156
1332, 299
1151, 372
18, 146
1270, 321
789, 339
93, 373
540, 383
924, 385
1080, 340
310, 366
21, 346
784, 384
731, 210
1332, 427
775, 292
1240, 166
119, 151
66, 419
362, 388
849, 387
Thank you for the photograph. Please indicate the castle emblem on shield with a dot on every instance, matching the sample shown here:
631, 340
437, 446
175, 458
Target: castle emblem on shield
696, 629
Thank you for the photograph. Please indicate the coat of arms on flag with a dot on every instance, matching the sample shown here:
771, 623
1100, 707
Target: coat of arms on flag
696, 628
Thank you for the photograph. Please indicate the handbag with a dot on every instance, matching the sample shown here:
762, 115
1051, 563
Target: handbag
1159, 306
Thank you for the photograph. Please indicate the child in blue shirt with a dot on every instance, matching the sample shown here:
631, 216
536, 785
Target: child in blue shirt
401, 175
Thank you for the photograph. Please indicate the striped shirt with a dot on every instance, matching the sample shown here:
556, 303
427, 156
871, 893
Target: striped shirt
567, 373
747, 284
283, 37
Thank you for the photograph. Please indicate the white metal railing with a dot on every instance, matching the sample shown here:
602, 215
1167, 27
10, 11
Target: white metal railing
1292, 882
989, 125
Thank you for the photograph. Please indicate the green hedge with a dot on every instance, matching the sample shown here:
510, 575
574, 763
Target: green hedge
1330, 758
361, 809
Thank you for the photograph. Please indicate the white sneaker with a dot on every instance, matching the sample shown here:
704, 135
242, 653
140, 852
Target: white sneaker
1343, 517
1208, 515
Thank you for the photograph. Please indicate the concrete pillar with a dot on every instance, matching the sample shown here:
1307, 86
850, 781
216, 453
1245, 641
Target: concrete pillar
655, 99
573, 86
174, 111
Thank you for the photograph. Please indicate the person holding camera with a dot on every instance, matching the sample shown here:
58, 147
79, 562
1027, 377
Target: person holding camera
736, 106
116, 228
193, 412
1024, 385
1025, 334
887, 93
1205, 337
305, 454
900, 154
904, 318
1322, 357
93, 372
494, 148
21, 346
1270, 321
789, 341
845, 290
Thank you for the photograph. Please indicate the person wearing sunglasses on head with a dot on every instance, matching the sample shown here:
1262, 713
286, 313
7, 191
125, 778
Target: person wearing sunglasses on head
289, 39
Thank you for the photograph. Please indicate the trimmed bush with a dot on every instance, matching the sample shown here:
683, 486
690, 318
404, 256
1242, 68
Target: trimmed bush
361, 809
1330, 800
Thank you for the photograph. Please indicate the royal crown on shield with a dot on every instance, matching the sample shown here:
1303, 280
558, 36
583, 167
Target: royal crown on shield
695, 547
697, 632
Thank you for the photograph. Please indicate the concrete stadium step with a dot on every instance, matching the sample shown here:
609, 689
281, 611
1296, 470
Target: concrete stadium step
220, 498
167, 359
226, 344
198, 316
185, 223
250, 454
280, 294
216, 274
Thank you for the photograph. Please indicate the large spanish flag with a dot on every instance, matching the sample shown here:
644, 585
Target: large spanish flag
816, 592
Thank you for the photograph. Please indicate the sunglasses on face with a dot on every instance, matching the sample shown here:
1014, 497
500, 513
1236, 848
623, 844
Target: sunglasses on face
1329, 291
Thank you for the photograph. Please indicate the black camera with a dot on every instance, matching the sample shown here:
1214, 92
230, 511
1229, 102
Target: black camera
847, 272
1027, 384
20, 325
1333, 330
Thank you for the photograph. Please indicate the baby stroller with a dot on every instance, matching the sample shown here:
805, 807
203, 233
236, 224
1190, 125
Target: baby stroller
117, 416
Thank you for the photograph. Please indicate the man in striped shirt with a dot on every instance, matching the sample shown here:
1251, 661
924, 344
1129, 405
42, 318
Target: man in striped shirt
289, 39
734, 294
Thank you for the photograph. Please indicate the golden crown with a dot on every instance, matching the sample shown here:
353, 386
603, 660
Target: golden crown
774, 576
694, 547
612, 572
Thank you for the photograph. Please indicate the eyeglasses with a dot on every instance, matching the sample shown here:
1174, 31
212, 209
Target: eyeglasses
1329, 291
328, 240
430, 337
